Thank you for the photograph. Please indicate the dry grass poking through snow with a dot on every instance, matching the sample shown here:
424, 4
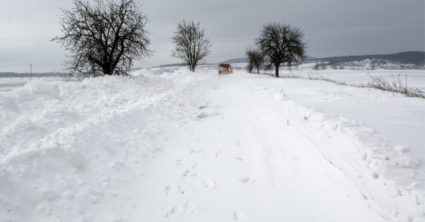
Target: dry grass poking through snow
397, 85
378, 82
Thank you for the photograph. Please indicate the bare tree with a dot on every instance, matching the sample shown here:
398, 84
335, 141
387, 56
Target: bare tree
104, 38
282, 44
191, 44
250, 65
255, 60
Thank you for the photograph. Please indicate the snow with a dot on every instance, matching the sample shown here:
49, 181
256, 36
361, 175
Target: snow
410, 78
171, 145
359, 76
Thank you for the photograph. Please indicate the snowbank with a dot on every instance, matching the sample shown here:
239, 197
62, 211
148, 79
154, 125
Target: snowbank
60, 152
386, 175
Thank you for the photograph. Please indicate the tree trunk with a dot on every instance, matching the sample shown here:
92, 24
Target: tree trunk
106, 70
276, 66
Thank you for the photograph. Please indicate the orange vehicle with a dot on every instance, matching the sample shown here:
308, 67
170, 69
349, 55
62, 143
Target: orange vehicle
225, 68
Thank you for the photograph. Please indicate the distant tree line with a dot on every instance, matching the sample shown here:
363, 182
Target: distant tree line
324, 65
107, 36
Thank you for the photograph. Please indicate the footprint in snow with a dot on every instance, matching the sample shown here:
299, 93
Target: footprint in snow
173, 189
206, 115
186, 208
172, 211
167, 189
189, 172
216, 154
240, 158
210, 184
179, 162
246, 180
202, 116
195, 151
239, 216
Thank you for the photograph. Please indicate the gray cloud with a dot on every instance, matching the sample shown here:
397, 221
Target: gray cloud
331, 27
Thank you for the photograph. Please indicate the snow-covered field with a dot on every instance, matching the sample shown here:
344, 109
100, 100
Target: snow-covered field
170, 145
410, 78
359, 76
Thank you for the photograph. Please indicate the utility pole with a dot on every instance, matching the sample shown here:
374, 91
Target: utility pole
30, 68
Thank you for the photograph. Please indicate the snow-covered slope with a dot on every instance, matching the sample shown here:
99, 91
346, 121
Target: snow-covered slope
170, 145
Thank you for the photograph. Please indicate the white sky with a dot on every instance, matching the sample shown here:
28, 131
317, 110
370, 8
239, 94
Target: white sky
331, 27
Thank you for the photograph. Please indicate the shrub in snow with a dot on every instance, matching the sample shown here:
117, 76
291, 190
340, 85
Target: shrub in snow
396, 85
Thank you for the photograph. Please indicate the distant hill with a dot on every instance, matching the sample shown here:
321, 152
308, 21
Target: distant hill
413, 58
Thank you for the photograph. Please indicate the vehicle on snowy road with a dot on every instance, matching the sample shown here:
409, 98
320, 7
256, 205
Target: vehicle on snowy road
225, 68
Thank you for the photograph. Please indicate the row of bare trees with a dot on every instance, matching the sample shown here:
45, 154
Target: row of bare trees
277, 45
105, 38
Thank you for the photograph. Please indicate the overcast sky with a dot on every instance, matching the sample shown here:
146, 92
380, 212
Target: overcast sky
331, 27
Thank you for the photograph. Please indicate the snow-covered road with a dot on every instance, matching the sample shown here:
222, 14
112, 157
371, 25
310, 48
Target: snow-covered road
179, 146
241, 160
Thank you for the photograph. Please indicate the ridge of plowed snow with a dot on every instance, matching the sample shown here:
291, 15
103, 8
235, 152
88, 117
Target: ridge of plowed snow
384, 174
